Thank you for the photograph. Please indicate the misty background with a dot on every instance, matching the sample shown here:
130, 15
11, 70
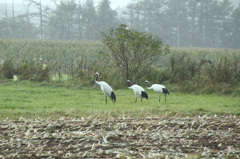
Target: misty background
179, 23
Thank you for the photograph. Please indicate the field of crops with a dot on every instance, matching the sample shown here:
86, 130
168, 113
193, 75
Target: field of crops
57, 58
193, 70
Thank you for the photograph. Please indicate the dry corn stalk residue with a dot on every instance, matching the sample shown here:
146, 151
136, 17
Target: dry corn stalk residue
121, 137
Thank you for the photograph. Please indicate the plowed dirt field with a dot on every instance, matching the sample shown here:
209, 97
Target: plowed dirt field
121, 137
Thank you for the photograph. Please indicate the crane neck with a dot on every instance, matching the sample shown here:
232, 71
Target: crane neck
147, 84
128, 84
96, 78
98, 82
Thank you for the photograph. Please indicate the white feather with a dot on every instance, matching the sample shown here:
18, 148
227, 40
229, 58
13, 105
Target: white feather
106, 89
137, 90
158, 88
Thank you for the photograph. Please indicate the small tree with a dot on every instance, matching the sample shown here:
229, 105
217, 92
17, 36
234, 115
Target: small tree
133, 51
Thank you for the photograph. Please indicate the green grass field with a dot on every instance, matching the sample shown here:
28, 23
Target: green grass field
32, 100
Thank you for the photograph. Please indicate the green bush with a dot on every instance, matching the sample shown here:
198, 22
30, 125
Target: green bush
200, 74
7, 69
33, 71
42, 74
25, 71
225, 70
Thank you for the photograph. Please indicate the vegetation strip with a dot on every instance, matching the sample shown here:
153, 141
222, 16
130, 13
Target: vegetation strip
73, 64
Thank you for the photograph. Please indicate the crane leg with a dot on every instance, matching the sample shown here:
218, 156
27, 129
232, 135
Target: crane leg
159, 97
141, 99
106, 99
136, 100
165, 97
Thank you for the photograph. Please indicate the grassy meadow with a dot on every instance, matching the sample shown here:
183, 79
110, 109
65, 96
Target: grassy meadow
32, 100
55, 79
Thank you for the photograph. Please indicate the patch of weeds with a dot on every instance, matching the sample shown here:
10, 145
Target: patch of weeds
47, 107
200, 110
6, 100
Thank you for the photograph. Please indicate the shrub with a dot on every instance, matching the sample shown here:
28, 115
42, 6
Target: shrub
84, 77
25, 71
7, 69
225, 70
202, 75
41, 74
34, 72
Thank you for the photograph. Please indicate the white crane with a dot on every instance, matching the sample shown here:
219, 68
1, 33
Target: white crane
106, 89
159, 89
138, 90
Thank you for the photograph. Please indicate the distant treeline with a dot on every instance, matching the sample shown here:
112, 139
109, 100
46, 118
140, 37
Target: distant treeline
188, 23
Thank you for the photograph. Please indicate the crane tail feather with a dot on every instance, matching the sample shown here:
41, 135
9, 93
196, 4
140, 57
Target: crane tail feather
165, 91
144, 95
113, 97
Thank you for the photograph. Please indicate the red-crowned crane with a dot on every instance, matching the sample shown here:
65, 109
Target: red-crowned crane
106, 89
138, 90
159, 89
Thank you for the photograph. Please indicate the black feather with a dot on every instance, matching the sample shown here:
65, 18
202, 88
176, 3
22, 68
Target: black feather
113, 97
144, 95
165, 91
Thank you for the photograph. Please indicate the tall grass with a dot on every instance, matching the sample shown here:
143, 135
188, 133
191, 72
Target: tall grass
198, 70
206, 70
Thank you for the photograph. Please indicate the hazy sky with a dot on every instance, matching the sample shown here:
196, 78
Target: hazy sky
116, 3
18, 7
